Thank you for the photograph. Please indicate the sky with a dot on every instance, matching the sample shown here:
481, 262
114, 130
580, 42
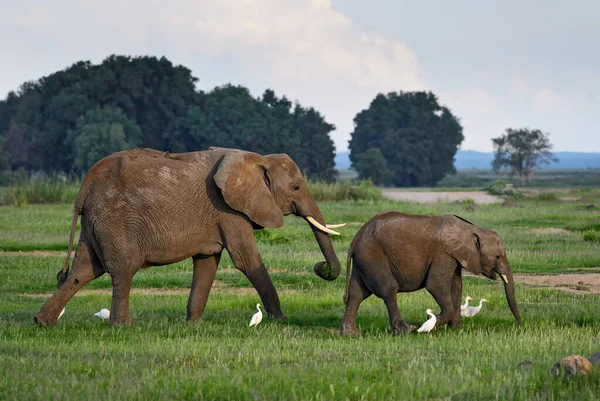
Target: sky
493, 64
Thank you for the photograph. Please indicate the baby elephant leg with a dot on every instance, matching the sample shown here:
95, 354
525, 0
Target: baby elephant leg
357, 292
399, 326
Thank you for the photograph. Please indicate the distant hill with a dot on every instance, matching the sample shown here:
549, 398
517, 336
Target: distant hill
471, 159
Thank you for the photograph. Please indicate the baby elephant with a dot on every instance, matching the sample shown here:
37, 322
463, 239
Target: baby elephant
397, 252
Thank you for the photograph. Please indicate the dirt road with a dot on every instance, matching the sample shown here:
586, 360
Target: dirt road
479, 197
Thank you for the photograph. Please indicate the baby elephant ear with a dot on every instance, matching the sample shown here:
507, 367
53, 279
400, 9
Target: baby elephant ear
459, 240
241, 178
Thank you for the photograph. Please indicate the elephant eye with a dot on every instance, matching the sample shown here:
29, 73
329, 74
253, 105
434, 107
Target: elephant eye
296, 187
497, 256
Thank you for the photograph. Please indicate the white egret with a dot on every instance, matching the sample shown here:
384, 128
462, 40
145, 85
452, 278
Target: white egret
429, 323
466, 304
471, 311
103, 314
256, 318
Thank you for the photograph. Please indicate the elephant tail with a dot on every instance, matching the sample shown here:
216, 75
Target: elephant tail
348, 265
61, 276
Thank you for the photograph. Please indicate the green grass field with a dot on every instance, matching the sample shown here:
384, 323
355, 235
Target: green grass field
164, 357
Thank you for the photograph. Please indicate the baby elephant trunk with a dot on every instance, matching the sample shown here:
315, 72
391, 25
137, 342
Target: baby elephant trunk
509, 289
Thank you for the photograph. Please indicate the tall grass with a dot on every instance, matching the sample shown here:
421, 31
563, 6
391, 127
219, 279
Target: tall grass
54, 189
43, 190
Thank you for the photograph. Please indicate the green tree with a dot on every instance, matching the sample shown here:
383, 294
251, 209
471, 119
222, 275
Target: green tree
416, 136
4, 156
161, 101
522, 151
100, 132
372, 165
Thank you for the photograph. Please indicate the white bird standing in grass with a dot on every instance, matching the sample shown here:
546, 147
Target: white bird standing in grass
103, 314
471, 311
429, 323
256, 318
466, 304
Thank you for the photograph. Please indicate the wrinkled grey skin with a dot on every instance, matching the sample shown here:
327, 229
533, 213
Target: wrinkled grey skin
143, 208
397, 252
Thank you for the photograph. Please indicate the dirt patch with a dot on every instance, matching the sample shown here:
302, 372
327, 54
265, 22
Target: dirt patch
579, 283
572, 282
550, 230
478, 197
34, 253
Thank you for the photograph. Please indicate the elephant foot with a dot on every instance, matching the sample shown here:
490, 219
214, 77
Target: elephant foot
125, 321
404, 329
43, 320
350, 331
280, 316
454, 325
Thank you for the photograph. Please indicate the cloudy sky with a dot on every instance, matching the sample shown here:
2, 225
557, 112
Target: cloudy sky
494, 64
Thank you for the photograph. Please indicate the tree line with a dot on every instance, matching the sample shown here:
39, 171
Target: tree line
70, 119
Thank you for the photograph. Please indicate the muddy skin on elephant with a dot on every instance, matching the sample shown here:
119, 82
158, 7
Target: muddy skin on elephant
397, 252
144, 208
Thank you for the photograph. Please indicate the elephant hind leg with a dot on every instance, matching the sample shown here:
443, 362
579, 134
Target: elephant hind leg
456, 297
357, 292
399, 326
205, 269
86, 267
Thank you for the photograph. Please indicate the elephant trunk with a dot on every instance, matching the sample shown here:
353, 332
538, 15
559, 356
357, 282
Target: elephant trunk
509, 289
329, 269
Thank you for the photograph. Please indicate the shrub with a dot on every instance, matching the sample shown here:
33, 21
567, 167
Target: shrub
345, 190
591, 236
267, 236
547, 196
501, 187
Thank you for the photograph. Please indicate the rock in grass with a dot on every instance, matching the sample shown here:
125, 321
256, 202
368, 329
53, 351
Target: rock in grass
595, 360
572, 365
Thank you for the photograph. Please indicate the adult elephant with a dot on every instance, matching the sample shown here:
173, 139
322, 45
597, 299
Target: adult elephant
398, 252
144, 208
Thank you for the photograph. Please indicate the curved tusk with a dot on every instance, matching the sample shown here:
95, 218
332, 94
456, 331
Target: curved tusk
315, 223
335, 225
504, 278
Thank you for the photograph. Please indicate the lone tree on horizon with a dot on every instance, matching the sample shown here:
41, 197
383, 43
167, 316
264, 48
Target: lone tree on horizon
522, 151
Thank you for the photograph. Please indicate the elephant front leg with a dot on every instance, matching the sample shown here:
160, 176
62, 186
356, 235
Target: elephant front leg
205, 269
246, 258
456, 297
440, 287
399, 326
119, 310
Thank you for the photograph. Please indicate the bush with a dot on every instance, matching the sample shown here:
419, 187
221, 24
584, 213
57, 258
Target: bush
269, 237
547, 196
591, 236
502, 188
339, 191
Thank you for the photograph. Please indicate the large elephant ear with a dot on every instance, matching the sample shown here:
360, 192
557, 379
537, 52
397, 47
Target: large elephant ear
460, 240
243, 179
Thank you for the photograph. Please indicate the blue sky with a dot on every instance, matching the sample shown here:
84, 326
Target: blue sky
494, 64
